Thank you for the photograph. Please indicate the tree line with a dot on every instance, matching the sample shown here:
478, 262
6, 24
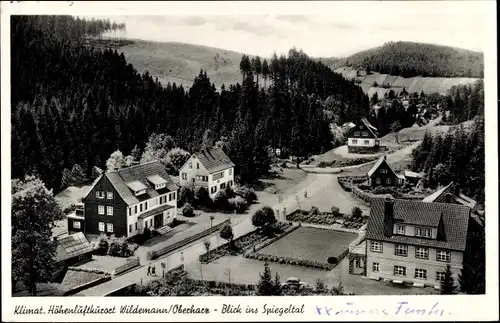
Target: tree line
76, 105
408, 59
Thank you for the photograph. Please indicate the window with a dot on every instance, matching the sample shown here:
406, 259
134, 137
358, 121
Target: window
110, 227
222, 186
356, 133
213, 189
76, 224
401, 250
230, 171
427, 233
145, 224
376, 246
217, 176
197, 165
173, 196
190, 165
383, 171
99, 194
230, 183
418, 232
109, 195
422, 253
130, 228
101, 226
439, 276
365, 134
388, 181
135, 209
420, 273
376, 267
100, 209
399, 271
184, 176
366, 142
359, 263
443, 255
170, 197
354, 141
129, 211
400, 229
136, 226
145, 206
378, 181
140, 207
109, 210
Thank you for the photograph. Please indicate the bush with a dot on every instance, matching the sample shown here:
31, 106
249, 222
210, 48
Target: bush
188, 211
248, 194
220, 201
102, 245
332, 260
146, 234
335, 211
357, 213
114, 249
186, 195
202, 197
149, 255
229, 192
314, 211
238, 203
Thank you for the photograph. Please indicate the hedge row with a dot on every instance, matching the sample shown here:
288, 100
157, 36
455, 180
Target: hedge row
89, 270
346, 162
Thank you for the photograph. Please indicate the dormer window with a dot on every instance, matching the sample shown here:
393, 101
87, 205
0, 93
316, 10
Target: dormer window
137, 187
400, 229
158, 181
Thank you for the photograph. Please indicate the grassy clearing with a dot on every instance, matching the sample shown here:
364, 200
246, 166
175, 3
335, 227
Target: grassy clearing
311, 244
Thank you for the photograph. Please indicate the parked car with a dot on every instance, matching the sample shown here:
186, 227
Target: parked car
294, 282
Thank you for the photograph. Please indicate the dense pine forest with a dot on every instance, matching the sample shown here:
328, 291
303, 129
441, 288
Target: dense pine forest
408, 59
73, 104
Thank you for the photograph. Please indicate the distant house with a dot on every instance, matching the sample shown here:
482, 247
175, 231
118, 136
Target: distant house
412, 177
70, 250
129, 200
209, 168
413, 241
451, 194
76, 219
362, 138
382, 174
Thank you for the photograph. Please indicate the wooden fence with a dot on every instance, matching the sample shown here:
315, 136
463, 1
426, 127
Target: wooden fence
129, 265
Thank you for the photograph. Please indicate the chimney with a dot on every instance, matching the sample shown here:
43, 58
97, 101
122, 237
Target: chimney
388, 216
385, 157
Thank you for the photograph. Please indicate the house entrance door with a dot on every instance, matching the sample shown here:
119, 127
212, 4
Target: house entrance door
158, 220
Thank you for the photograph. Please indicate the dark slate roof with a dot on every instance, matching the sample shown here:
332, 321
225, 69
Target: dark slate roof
455, 222
214, 159
448, 194
379, 162
368, 125
155, 211
119, 179
71, 246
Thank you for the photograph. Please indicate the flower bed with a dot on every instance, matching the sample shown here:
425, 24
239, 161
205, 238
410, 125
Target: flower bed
346, 162
290, 261
90, 270
323, 218
242, 244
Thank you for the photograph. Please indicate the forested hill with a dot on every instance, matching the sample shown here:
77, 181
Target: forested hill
75, 105
408, 59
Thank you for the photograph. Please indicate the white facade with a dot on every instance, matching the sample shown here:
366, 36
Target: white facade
136, 225
194, 174
362, 142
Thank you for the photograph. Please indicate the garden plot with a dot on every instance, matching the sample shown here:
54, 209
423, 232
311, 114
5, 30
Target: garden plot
311, 244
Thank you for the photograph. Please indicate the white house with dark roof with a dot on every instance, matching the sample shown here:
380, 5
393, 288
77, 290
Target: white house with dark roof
363, 137
126, 201
413, 241
209, 168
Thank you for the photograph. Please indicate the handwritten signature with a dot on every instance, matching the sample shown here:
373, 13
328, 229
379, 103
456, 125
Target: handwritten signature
400, 308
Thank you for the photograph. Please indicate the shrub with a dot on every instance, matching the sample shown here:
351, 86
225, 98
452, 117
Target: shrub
146, 234
229, 192
248, 194
114, 249
102, 245
357, 213
314, 211
238, 203
149, 255
332, 260
220, 201
335, 211
188, 211
202, 197
186, 195
264, 217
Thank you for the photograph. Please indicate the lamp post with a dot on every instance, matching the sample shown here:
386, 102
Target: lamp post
211, 220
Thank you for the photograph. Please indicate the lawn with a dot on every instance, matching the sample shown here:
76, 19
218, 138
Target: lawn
311, 244
106, 263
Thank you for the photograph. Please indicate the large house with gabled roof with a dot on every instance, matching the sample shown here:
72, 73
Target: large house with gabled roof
382, 174
127, 201
209, 168
363, 137
413, 241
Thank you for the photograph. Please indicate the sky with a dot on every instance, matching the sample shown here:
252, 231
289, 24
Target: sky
338, 30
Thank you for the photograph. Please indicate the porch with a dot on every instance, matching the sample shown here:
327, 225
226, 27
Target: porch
157, 218
357, 256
